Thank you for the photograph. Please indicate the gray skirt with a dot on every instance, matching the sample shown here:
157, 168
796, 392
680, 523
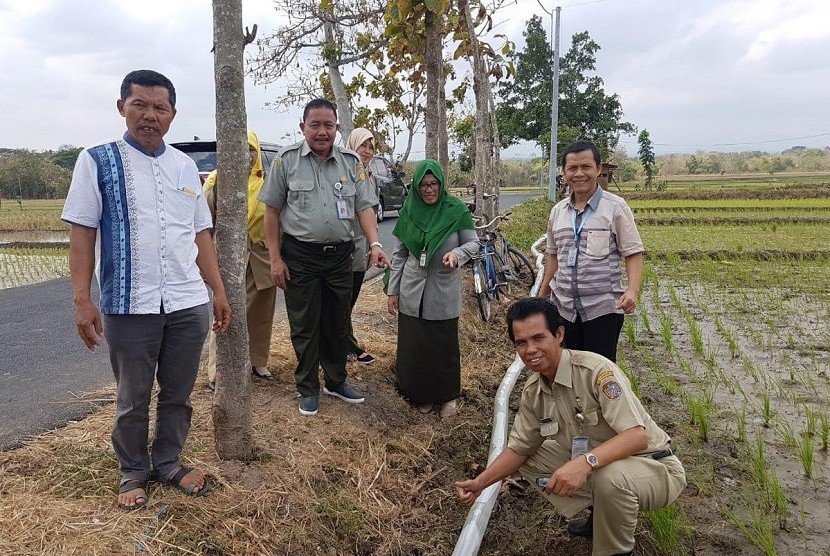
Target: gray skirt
429, 360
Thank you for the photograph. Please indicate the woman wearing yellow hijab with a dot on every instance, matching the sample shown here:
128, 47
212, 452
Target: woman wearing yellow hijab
261, 290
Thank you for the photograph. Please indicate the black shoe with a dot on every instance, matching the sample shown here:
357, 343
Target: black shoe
582, 527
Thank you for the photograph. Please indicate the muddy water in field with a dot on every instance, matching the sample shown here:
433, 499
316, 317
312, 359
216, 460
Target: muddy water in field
35, 237
780, 354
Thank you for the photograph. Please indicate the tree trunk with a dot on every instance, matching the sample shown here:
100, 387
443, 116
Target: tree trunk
344, 112
232, 401
443, 132
432, 59
483, 128
495, 161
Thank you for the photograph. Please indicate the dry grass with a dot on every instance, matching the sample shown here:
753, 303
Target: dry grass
369, 479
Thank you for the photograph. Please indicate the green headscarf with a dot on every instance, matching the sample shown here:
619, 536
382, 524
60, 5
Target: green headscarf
422, 227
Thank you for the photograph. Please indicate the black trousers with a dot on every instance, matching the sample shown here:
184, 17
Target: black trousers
357, 283
317, 302
599, 335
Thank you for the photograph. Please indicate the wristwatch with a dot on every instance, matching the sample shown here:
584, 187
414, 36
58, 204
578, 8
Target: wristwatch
592, 460
376, 244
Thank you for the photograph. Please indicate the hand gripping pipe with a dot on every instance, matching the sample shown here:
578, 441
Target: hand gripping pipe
469, 540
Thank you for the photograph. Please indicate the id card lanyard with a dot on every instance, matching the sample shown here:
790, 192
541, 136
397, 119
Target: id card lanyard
579, 443
572, 256
340, 203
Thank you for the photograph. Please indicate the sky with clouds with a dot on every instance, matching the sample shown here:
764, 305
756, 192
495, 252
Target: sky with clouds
699, 75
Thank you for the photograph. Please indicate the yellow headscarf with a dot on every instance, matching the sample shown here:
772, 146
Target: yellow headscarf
256, 208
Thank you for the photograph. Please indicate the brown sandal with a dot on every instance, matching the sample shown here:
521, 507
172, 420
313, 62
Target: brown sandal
177, 478
133, 484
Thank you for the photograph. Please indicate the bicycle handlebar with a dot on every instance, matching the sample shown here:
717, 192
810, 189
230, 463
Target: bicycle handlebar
498, 217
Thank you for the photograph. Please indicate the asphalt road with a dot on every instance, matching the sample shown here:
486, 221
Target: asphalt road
44, 368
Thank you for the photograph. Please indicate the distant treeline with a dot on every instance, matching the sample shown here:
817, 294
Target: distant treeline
46, 174
36, 175
796, 159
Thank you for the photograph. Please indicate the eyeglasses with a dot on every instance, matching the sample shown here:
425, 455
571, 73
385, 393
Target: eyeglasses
430, 185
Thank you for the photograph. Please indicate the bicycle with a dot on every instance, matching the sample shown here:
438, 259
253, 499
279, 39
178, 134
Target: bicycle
499, 265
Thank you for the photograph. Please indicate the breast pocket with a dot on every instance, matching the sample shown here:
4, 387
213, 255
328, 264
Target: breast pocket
599, 243
348, 193
181, 201
301, 195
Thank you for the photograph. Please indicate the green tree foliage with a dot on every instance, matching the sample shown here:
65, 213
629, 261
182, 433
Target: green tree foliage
646, 154
586, 111
36, 175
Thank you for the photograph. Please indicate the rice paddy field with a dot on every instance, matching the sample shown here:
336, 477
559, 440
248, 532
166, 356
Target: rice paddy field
730, 349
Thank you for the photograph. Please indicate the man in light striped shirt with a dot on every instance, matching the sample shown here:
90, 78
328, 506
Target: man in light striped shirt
588, 233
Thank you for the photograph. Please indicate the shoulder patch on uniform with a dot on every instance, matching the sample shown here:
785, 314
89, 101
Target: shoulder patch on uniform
611, 390
604, 375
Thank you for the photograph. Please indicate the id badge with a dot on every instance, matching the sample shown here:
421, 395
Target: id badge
423, 260
342, 209
579, 446
572, 256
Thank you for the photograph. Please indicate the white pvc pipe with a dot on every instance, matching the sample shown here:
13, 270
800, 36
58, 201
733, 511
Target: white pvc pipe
469, 540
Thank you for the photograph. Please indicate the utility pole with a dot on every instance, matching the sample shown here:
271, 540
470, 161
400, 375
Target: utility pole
554, 111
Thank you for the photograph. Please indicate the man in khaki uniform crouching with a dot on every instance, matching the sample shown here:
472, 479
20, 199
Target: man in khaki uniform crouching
581, 436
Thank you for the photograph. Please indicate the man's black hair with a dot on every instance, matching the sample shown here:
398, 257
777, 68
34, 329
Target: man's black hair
529, 306
147, 78
319, 103
580, 146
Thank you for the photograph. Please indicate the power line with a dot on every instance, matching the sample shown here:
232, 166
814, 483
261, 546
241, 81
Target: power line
735, 144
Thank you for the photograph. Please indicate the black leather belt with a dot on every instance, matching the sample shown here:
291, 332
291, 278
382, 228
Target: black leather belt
325, 248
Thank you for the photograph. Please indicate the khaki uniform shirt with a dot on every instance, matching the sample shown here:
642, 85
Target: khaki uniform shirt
605, 398
305, 192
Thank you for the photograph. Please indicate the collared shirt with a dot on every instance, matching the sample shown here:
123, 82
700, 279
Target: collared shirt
147, 210
591, 287
609, 407
306, 192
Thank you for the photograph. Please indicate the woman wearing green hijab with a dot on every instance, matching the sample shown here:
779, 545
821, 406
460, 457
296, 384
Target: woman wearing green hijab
435, 236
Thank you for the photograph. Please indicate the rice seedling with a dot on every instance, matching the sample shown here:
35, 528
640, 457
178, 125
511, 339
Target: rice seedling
730, 337
665, 381
667, 526
778, 501
757, 529
622, 363
666, 329
805, 455
645, 319
749, 368
785, 431
695, 335
742, 424
630, 330
766, 409
825, 431
811, 416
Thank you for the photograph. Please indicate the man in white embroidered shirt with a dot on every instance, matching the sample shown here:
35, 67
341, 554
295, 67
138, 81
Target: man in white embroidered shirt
136, 208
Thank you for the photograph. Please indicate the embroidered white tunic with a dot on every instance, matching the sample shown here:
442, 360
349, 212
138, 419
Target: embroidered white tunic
147, 210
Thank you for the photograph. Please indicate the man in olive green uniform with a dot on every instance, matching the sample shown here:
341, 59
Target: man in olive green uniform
581, 436
314, 191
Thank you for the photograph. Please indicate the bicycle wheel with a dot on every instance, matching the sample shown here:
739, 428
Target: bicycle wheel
521, 267
480, 289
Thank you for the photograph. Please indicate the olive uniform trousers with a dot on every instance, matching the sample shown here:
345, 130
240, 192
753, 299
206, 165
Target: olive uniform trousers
317, 300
